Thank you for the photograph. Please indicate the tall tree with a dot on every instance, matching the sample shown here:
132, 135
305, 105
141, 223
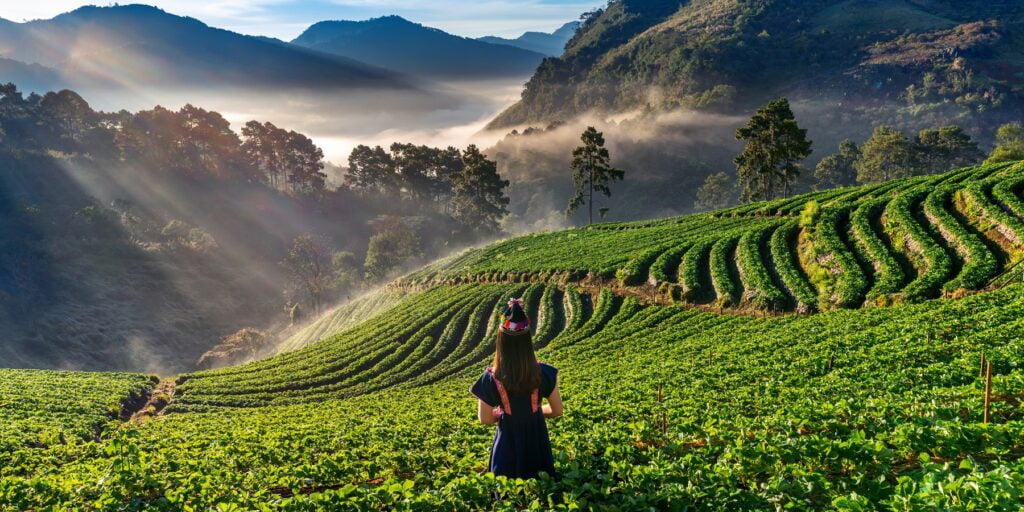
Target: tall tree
346, 271
946, 148
887, 155
478, 197
1009, 144
288, 160
372, 170
260, 149
308, 263
717, 192
394, 244
837, 169
775, 145
305, 163
591, 171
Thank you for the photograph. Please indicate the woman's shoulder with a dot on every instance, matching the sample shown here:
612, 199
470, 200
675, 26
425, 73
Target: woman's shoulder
548, 370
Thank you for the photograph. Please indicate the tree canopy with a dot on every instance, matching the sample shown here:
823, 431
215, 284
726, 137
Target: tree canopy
775, 146
1009, 144
591, 171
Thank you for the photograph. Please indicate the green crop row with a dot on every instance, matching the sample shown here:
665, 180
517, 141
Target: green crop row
979, 264
760, 290
727, 288
41, 408
788, 269
851, 283
888, 276
901, 222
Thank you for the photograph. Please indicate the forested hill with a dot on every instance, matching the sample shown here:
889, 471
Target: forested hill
399, 44
895, 60
138, 45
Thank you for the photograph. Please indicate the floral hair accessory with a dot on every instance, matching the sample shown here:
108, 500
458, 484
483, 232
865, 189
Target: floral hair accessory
514, 320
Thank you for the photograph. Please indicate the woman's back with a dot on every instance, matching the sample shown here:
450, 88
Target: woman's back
521, 445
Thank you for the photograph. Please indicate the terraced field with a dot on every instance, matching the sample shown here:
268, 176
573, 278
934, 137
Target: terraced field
905, 240
874, 402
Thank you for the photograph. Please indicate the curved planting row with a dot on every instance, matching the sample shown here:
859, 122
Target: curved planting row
1005, 191
932, 261
979, 263
888, 273
456, 331
786, 265
831, 250
761, 292
991, 217
722, 258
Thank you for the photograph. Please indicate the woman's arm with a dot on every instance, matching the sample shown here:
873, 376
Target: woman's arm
485, 413
553, 409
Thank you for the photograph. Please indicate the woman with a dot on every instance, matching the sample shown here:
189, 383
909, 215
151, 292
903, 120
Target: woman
510, 394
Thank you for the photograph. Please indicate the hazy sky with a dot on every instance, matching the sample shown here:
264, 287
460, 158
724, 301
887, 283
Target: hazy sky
285, 19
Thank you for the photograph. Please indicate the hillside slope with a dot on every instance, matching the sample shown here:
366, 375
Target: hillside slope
667, 406
396, 43
886, 60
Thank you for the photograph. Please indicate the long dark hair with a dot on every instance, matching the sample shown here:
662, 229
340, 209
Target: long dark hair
515, 363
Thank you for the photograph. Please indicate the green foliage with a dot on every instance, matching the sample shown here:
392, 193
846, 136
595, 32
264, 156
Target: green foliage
591, 171
727, 287
869, 408
837, 169
716, 193
774, 147
887, 155
810, 214
394, 244
789, 271
979, 264
862, 409
901, 223
1009, 144
850, 281
760, 290
889, 276
478, 197
45, 408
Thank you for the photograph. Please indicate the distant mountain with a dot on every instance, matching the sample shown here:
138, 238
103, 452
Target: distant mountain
905, 62
551, 44
396, 43
30, 77
138, 45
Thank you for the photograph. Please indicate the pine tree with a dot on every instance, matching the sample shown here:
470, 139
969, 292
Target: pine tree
591, 171
775, 145
478, 197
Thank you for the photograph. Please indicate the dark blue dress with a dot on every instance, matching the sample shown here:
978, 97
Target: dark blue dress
521, 445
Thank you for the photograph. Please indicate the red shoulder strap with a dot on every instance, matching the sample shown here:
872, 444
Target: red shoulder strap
506, 405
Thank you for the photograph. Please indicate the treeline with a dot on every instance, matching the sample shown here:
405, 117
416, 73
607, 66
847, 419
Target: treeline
775, 146
410, 203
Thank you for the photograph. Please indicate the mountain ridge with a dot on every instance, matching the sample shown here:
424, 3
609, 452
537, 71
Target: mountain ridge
412, 48
550, 44
140, 45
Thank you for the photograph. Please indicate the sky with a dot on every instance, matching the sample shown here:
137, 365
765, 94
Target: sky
286, 19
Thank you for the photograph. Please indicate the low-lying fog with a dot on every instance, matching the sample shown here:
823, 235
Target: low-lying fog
448, 114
